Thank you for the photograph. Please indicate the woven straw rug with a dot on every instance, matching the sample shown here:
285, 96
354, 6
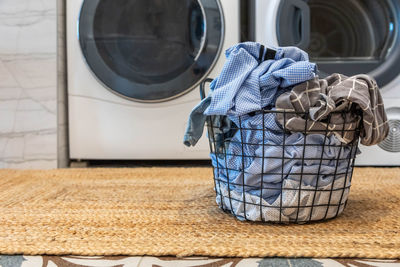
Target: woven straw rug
172, 211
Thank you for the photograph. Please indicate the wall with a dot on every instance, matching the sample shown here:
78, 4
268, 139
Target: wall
28, 84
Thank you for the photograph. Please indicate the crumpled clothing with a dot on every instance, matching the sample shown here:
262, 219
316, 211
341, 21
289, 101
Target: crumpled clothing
253, 157
247, 85
222, 126
354, 97
249, 81
316, 203
249, 165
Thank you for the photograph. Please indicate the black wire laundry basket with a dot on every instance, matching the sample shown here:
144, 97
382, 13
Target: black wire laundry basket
265, 173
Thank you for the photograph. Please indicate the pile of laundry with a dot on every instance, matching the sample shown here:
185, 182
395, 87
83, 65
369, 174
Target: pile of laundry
284, 139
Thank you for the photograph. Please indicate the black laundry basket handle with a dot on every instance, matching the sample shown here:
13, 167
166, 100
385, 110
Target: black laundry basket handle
202, 85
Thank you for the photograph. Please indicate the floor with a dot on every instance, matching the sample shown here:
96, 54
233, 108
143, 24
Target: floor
126, 261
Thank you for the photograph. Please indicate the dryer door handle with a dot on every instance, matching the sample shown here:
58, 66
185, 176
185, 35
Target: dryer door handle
294, 23
202, 87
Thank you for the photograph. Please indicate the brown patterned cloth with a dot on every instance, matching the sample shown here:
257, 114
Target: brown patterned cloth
355, 95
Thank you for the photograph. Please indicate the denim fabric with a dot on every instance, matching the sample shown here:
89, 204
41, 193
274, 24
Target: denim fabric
221, 127
247, 83
195, 125
251, 167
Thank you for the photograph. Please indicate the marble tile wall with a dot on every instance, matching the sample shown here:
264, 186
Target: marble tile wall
28, 84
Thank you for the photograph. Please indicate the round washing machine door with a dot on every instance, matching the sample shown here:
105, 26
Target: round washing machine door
346, 36
150, 50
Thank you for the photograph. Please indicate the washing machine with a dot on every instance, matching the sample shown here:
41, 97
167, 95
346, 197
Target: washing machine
134, 67
345, 36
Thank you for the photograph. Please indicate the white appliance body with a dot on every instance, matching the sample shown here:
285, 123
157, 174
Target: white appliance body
106, 125
266, 15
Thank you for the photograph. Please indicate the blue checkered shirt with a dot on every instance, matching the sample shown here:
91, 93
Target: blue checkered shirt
251, 79
248, 84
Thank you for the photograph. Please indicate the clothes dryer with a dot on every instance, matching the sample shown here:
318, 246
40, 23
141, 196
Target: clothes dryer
343, 36
134, 67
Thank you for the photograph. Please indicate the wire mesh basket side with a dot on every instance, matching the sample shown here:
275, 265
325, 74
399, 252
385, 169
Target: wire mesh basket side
263, 173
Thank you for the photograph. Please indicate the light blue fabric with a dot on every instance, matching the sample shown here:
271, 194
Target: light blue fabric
196, 123
252, 165
245, 84
221, 127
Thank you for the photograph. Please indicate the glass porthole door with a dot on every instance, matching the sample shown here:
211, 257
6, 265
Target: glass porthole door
347, 36
150, 50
